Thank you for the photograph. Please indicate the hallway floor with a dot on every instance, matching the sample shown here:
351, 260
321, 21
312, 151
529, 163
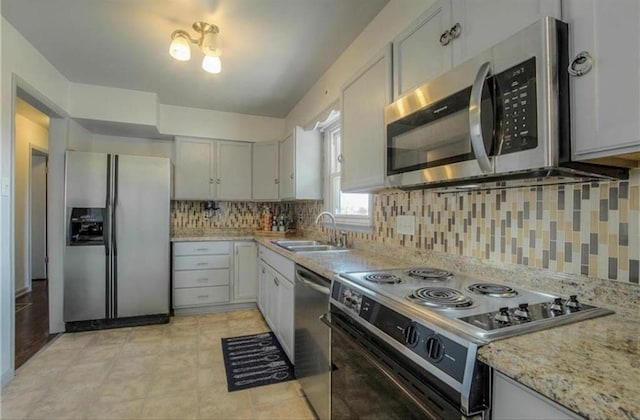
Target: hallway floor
171, 371
32, 321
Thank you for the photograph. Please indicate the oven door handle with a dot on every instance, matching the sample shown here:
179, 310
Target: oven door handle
326, 319
475, 119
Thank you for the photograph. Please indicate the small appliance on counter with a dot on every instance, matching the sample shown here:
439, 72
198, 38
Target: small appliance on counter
412, 336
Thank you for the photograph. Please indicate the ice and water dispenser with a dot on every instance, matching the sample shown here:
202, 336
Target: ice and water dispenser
86, 226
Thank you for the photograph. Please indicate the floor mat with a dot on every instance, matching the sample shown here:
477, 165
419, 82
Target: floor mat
255, 360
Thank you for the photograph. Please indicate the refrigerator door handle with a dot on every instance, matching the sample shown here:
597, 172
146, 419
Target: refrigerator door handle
114, 241
107, 242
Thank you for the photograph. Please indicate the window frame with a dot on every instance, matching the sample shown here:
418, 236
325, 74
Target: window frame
344, 222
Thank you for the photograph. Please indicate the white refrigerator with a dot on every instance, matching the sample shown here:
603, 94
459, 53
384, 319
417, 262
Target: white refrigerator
117, 252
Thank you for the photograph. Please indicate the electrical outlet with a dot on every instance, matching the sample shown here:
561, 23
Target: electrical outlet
406, 225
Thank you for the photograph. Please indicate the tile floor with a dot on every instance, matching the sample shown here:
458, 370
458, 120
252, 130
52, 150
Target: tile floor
171, 371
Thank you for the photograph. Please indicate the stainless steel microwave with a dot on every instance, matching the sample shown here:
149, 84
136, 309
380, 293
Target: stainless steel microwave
502, 115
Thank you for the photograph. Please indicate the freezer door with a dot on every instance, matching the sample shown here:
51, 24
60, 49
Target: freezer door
141, 235
84, 283
86, 177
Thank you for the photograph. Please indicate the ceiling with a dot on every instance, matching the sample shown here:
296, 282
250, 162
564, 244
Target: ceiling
273, 51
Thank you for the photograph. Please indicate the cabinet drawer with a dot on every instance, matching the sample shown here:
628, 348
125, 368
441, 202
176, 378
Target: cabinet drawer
201, 248
201, 278
202, 262
196, 296
282, 265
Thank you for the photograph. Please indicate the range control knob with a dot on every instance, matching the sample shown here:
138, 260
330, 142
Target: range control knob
522, 312
503, 315
434, 348
411, 336
557, 307
573, 303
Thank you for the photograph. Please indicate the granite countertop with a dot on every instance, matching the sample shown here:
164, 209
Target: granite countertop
591, 367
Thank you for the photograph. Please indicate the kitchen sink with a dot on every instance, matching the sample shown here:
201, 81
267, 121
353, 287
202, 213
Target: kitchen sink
308, 246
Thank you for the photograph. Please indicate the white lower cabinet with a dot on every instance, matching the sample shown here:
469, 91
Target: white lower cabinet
513, 401
201, 274
245, 272
276, 297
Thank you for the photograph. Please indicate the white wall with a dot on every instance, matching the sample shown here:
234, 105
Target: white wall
28, 134
38, 204
194, 122
131, 146
390, 22
25, 65
112, 104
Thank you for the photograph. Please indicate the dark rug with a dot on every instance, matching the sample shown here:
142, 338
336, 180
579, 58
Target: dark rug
255, 360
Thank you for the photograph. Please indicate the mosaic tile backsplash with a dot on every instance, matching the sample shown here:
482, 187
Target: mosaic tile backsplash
583, 229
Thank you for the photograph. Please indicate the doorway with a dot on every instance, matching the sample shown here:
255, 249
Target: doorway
30, 227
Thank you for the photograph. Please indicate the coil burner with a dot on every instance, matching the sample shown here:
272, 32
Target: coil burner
383, 278
493, 290
441, 298
429, 274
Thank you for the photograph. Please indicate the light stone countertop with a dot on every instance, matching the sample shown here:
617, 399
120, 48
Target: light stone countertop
591, 367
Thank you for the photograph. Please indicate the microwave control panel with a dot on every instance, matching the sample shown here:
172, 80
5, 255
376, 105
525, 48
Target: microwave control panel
517, 89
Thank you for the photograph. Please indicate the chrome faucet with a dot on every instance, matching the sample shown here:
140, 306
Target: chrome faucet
333, 224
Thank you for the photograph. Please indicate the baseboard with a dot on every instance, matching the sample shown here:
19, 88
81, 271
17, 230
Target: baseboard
214, 308
22, 291
7, 376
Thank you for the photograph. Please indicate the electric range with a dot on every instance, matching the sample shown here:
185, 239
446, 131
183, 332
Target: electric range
436, 320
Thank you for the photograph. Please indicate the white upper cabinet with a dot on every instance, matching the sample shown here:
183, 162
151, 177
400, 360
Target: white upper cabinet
301, 166
195, 169
265, 171
485, 23
209, 169
605, 101
364, 98
234, 171
418, 55
452, 31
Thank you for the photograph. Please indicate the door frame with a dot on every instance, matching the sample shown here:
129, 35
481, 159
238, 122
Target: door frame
39, 151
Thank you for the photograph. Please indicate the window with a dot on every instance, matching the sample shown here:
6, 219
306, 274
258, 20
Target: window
349, 209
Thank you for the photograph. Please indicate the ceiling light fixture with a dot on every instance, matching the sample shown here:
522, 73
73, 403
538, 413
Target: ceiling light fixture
208, 42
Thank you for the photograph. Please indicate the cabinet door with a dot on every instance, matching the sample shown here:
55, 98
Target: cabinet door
287, 164
285, 316
418, 55
265, 171
245, 285
262, 288
512, 400
485, 23
234, 171
363, 131
194, 169
605, 106
273, 300
307, 183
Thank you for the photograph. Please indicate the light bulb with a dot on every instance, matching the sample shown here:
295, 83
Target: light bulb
210, 44
180, 48
211, 64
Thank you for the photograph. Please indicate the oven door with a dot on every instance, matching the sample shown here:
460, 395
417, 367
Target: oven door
371, 381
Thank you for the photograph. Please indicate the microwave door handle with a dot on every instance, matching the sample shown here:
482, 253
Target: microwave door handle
475, 119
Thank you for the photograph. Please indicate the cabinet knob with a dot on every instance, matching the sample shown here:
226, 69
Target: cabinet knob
581, 64
340, 158
275, 181
445, 38
218, 181
275, 280
455, 31
211, 181
263, 270
291, 176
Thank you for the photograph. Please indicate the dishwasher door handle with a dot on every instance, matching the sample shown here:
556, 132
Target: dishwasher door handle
312, 285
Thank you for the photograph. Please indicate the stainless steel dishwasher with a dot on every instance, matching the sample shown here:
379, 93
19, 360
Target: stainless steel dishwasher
313, 340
